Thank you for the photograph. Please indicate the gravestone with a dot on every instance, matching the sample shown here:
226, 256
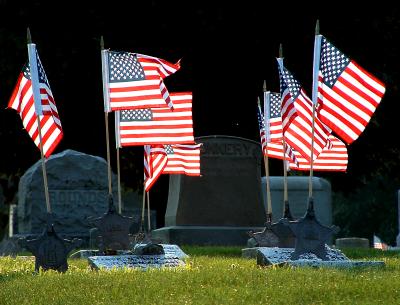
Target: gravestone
352, 242
143, 262
224, 203
298, 197
78, 189
267, 256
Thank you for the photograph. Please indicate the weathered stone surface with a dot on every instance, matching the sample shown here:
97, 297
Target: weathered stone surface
169, 249
113, 229
352, 242
222, 205
229, 191
282, 257
298, 197
78, 188
310, 234
9, 247
50, 250
135, 261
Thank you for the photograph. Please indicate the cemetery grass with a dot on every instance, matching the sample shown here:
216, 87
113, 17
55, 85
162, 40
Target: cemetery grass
214, 275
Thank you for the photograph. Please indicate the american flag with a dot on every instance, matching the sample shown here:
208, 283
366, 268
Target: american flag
158, 125
378, 244
347, 94
273, 149
23, 102
136, 81
273, 117
297, 117
155, 160
183, 159
333, 158
261, 128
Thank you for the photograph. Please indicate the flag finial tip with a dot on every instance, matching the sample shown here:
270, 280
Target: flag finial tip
102, 42
265, 86
317, 27
28, 35
280, 51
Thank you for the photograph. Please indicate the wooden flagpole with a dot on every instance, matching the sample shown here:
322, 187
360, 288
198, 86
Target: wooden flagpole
266, 160
119, 183
286, 212
38, 111
104, 61
143, 208
148, 211
317, 54
118, 146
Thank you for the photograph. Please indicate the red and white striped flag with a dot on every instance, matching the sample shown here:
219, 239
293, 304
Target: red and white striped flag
22, 101
297, 117
157, 125
135, 81
155, 160
347, 94
379, 244
333, 158
273, 116
273, 149
183, 159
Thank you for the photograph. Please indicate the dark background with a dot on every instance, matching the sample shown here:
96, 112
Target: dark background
227, 51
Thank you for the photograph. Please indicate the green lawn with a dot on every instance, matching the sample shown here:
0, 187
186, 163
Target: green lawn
214, 275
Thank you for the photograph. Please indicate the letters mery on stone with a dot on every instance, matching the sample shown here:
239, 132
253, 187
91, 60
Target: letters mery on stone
230, 149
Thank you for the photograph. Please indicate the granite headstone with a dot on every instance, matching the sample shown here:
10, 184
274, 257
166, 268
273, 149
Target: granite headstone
221, 205
298, 197
78, 188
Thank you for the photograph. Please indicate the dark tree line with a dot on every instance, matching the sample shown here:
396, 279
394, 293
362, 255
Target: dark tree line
227, 51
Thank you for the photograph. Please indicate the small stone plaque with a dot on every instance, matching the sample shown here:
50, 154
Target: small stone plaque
169, 249
135, 261
282, 257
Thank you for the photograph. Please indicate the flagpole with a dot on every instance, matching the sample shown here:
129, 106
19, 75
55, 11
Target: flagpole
317, 54
148, 211
286, 210
118, 146
104, 62
38, 111
119, 183
143, 207
266, 160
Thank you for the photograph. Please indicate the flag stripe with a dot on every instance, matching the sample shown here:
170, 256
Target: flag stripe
155, 160
143, 93
22, 101
185, 159
347, 94
165, 127
297, 117
332, 158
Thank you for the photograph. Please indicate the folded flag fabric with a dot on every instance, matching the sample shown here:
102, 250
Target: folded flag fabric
297, 117
135, 81
333, 157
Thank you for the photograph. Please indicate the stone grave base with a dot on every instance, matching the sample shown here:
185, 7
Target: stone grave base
281, 257
204, 235
172, 250
135, 261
